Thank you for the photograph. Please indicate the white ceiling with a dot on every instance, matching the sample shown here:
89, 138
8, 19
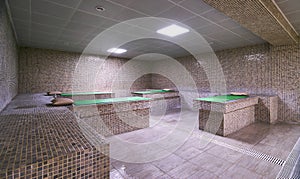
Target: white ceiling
69, 25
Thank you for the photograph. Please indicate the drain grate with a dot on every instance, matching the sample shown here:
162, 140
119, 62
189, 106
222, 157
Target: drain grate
291, 168
246, 151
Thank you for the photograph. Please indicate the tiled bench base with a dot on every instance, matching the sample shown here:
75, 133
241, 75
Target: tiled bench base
108, 119
226, 117
46, 142
267, 109
118, 123
85, 164
168, 100
170, 103
230, 122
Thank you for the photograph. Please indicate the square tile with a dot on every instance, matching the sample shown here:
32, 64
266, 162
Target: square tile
188, 153
150, 8
225, 153
168, 163
25, 4
259, 166
197, 7
203, 174
176, 13
112, 10
237, 172
211, 163
184, 171
70, 3
51, 9
92, 20
48, 20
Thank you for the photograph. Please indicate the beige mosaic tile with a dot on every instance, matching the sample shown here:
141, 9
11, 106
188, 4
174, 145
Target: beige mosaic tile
8, 59
48, 143
112, 119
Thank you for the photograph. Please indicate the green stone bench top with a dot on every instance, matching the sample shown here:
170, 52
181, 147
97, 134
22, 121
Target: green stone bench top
222, 98
84, 93
153, 91
110, 100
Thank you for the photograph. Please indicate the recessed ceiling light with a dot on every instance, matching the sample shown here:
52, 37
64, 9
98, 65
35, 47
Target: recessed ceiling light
100, 8
173, 30
117, 50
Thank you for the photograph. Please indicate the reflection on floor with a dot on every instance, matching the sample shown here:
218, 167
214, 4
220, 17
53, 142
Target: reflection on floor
257, 151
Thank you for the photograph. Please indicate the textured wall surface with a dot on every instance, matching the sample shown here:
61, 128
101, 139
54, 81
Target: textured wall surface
45, 70
159, 81
8, 59
260, 69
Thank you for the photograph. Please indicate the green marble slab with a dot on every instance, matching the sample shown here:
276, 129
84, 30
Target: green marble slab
110, 100
153, 91
84, 93
222, 98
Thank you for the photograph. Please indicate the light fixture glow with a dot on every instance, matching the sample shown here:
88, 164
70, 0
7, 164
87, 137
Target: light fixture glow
116, 50
172, 30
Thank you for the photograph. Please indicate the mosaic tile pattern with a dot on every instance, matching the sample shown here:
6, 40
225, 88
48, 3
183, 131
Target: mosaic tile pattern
233, 115
263, 18
43, 142
8, 59
267, 109
44, 70
231, 122
112, 119
170, 100
266, 70
226, 107
261, 69
171, 103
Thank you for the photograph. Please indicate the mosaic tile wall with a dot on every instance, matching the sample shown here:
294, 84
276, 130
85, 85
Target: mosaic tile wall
196, 71
8, 59
260, 69
44, 70
158, 81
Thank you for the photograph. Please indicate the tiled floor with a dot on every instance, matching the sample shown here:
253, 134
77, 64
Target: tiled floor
205, 155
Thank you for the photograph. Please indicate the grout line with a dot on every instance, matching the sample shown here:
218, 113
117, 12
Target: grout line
246, 151
67, 22
118, 4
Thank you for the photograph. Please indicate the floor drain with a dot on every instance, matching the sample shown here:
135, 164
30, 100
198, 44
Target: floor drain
291, 168
249, 152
